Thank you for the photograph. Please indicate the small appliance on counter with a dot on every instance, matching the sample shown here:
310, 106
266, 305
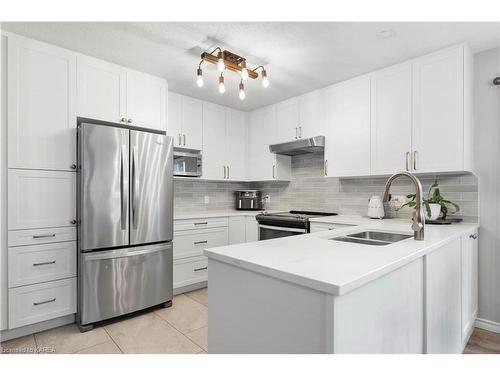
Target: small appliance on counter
376, 208
249, 200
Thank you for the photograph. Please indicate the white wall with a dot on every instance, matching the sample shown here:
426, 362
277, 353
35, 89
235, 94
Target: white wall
487, 158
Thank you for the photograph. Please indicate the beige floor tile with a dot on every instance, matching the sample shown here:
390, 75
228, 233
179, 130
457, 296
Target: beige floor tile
108, 347
21, 345
185, 314
200, 337
68, 339
200, 295
150, 334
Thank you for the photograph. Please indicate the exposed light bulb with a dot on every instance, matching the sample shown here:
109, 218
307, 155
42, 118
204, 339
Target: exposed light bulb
220, 62
241, 94
199, 78
244, 71
265, 80
222, 87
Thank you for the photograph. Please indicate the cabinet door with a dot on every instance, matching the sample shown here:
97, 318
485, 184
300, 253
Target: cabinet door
287, 120
237, 229
214, 142
174, 126
313, 111
146, 101
236, 145
469, 283
438, 118
192, 123
251, 229
41, 199
348, 133
41, 105
391, 120
101, 90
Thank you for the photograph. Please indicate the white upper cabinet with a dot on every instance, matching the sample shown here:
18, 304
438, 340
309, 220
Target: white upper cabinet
391, 123
101, 90
348, 132
236, 145
313, 110
112, 93
287, 120
214, 142
263, 165
146, 101
41, 105
439, 105
185, 121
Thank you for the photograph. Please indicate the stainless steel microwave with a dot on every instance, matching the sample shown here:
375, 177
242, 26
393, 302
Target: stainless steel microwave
187, 163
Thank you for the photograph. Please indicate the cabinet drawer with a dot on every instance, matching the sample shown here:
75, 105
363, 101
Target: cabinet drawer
192, 243
319, 227
40, 263
189, 224
39, 236
190, 271
36, 303
41, 199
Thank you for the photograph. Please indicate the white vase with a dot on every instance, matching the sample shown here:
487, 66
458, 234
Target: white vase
435, 211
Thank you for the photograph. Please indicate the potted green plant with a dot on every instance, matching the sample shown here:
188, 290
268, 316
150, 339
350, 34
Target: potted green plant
434, 204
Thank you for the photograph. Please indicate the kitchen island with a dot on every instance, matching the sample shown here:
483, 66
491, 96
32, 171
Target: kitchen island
312, 294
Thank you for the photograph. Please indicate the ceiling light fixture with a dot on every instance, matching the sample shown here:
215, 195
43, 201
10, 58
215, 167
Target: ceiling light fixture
226, 60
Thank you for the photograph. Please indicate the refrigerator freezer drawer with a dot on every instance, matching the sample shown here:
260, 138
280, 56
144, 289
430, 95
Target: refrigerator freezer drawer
118, 282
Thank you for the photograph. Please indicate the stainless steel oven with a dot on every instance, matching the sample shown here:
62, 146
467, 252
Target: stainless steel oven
187, 163
267, 232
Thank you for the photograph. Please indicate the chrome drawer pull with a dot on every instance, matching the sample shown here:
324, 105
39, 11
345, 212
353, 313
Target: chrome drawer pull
202, 223
200, 242
473, 236
44, 302
200, 269
43, 264
43, 235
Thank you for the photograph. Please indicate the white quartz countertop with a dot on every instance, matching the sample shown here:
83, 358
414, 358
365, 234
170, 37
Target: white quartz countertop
208, 214
335, 267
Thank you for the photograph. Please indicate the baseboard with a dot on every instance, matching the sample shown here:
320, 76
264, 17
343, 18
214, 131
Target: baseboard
10, 334
488, 325
189, 288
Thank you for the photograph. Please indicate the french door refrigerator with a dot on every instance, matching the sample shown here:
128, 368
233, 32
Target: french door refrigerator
125, 220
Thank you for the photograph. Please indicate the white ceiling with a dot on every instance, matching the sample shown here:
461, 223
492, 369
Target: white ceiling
300, 57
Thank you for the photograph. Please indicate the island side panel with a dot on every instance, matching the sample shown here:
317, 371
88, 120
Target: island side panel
249, 312
384, 316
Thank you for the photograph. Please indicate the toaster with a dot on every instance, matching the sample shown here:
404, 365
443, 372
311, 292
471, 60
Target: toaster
376, 208
249, 200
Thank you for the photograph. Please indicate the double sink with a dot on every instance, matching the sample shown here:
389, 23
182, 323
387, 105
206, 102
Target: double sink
373, 238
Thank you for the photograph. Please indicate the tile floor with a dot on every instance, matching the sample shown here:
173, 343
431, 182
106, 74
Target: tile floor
181, 328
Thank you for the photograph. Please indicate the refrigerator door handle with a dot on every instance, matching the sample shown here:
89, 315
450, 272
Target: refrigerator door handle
123, 189
135, 188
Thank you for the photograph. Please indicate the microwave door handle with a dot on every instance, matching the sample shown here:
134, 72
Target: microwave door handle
135, 188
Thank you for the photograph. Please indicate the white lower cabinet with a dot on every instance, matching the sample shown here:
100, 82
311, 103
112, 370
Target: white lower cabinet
189, 271
237, 229
192, 242
320, 227
36, 303
41, 199
469, 284
251, 229
41, 236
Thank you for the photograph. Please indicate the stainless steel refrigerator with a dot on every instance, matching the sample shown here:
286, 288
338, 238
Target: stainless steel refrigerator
125, 220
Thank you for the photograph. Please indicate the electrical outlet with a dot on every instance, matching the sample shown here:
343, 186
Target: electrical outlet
207, 199
267, 197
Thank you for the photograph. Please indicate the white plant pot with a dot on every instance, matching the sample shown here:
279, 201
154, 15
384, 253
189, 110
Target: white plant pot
435, 211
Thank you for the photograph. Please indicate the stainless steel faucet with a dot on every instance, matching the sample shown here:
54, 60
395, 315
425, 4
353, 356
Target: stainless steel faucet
418, 217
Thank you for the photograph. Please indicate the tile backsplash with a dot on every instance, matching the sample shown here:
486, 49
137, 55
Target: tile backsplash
309, 190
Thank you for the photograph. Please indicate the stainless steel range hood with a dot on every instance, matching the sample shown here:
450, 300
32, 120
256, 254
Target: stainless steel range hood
300, 146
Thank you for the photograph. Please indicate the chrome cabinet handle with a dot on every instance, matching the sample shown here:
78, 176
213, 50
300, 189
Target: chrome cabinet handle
224, 171
184, 138
228, 172
300, 131
326, 167
201, 223
200, 242
408, 161
73, 222
296, 134
123, 190
180, 140
35, 236
274, 171
415, 160
44, 263
135, 188
123, 119
129, 120
73, 166
200, 269
44, 302
474, 236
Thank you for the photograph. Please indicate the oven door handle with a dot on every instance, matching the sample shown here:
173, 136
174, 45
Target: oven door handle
284, 229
